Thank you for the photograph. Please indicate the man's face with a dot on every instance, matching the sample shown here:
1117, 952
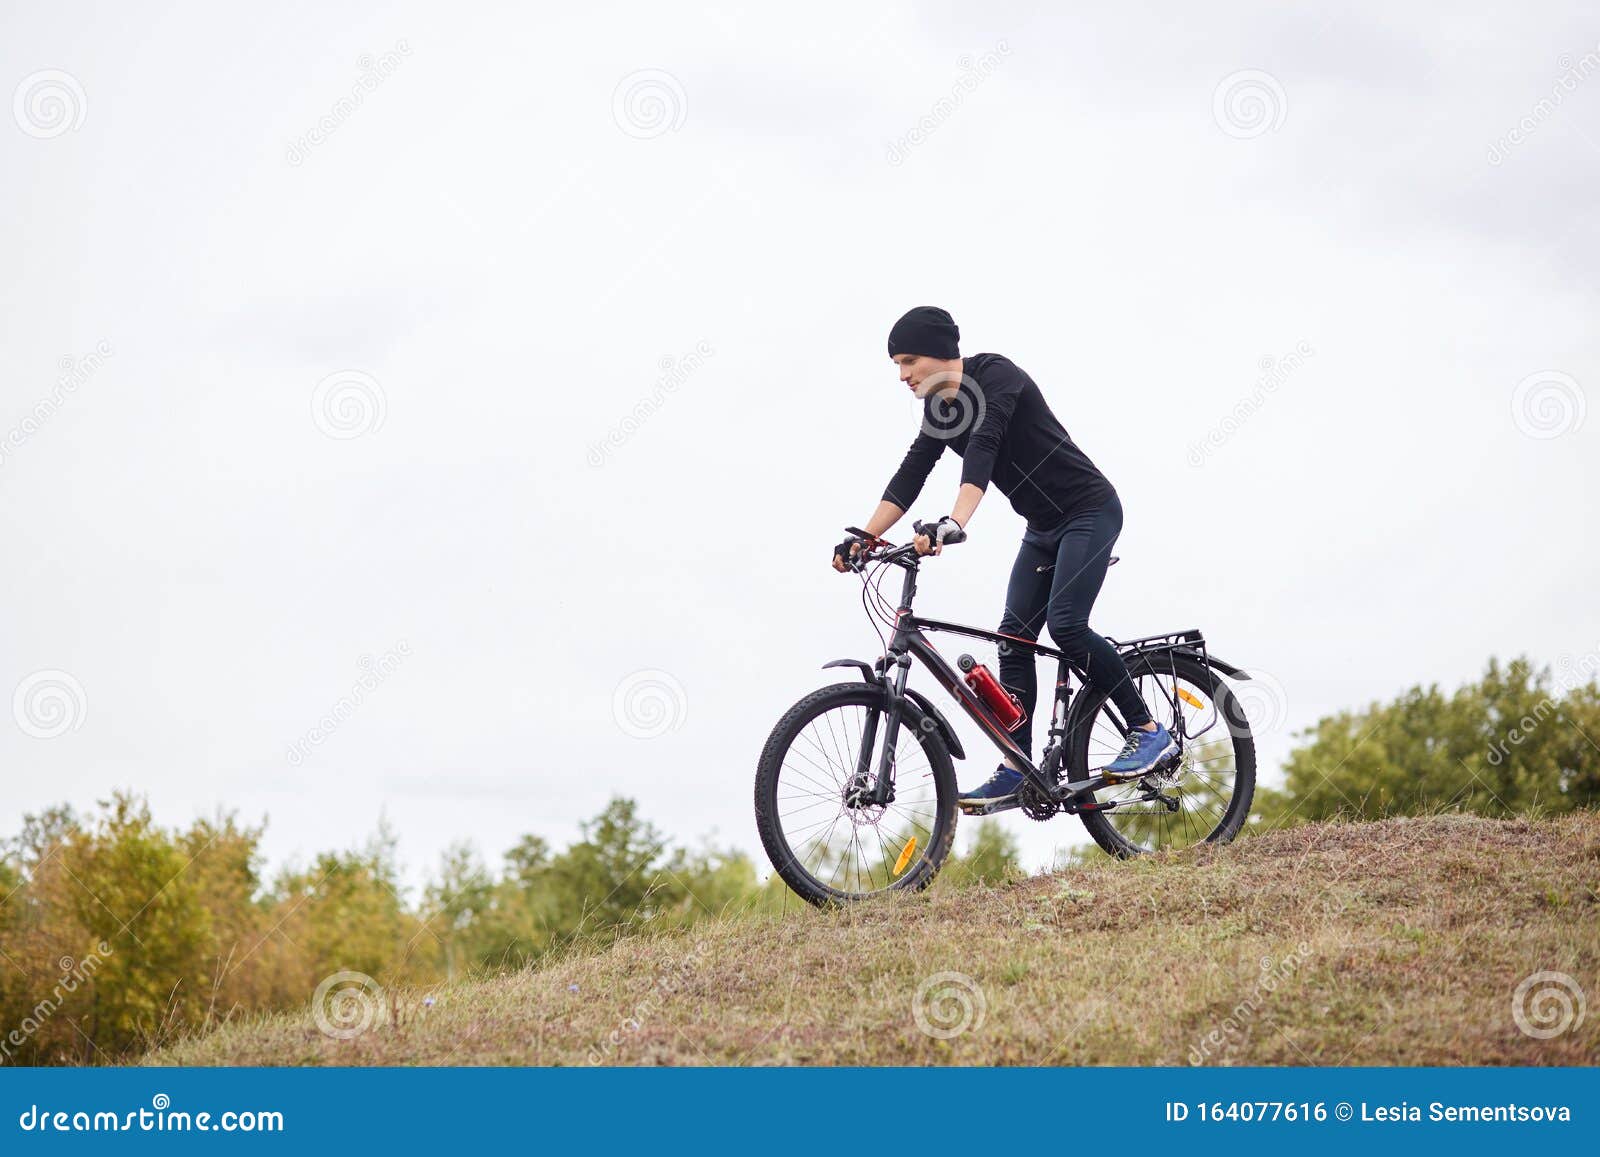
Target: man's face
923, 375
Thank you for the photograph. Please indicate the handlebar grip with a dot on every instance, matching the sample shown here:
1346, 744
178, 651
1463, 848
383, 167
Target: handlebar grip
959, 534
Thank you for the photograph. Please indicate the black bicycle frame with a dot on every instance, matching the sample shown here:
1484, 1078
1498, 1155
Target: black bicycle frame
908, 641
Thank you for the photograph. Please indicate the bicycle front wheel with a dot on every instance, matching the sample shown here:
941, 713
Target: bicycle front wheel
1214, 783
828, 847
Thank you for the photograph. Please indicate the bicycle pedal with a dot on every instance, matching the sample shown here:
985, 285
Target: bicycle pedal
989, 809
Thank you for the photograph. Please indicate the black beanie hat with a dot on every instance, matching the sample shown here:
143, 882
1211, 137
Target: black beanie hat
926, 330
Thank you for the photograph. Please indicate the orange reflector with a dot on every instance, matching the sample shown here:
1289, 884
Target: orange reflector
1190, 699
905, 855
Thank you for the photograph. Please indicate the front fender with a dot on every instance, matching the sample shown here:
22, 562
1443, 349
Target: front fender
933, 713
867, 672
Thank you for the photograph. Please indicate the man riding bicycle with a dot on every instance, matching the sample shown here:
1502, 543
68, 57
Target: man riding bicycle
993, 415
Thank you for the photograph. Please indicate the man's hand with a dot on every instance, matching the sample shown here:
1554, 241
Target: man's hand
935, 537
847, 550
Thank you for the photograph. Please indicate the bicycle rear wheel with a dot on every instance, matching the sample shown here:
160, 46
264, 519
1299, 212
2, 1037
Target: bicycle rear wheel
1214, 782
827, 849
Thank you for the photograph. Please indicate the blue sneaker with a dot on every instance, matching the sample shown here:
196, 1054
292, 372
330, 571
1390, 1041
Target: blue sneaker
998, 793
1144, 751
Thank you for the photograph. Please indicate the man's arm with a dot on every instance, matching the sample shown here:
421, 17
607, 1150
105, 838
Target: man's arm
883, 518
1002, 386
904, 487
908, 481
967, 499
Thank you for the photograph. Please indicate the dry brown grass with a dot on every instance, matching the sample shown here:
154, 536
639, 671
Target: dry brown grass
1400, 942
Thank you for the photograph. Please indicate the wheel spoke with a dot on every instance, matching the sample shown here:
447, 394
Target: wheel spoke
1209, 775
847, 851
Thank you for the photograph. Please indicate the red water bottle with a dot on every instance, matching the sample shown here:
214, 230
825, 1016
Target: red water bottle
1007, 709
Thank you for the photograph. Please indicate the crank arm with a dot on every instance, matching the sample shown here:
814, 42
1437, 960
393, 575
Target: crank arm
1069, 792
989, 809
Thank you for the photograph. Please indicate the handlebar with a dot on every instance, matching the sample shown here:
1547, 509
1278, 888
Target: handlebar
881, 550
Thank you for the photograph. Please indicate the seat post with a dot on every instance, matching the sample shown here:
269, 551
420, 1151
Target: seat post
1062, 701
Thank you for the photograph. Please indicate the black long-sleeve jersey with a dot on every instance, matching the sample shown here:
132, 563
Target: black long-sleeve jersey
1000, 424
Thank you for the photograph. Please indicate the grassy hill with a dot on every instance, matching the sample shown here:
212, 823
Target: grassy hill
1399, 942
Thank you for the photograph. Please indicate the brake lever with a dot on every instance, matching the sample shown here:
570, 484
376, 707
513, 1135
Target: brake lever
869, 542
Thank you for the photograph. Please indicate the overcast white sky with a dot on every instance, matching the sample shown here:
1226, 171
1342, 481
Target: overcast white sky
529, 214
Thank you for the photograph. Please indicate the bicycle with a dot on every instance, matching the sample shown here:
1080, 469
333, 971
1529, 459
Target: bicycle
899, 797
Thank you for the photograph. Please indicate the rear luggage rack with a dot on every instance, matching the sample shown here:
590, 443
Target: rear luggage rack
1191, 637
1154, 648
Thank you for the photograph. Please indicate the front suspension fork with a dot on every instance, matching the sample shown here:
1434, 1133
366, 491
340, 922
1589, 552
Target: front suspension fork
894, 695
874, 787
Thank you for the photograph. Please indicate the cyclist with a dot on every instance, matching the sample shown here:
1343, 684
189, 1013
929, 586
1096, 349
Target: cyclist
992, 414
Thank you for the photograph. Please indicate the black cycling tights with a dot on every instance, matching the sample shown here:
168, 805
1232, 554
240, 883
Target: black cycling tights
1080, 550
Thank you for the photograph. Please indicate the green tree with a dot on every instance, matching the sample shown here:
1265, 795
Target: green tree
116, 933
619, 879
346, 913
611, 880
1511, 742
